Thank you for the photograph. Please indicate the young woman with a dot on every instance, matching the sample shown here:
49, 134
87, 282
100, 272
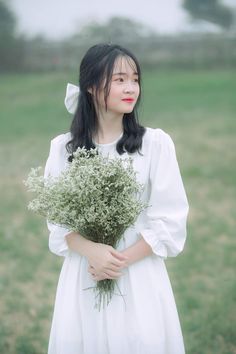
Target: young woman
147, 322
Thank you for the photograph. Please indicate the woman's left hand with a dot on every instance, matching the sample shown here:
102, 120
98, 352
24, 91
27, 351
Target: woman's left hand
96, 276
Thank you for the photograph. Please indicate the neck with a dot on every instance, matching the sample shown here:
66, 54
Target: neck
110, 127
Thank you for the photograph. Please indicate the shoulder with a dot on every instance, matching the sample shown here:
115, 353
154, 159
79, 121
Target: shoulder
156, 137
58, 155
59, 142
61, 139
58, 145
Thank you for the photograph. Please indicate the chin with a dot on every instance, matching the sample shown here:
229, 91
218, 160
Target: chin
128, 110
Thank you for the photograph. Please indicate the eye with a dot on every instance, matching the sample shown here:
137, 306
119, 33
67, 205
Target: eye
120, 79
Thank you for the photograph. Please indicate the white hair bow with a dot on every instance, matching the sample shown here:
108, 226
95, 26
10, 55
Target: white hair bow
71, 99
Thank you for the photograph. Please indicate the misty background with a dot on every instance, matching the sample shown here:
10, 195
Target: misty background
51, 35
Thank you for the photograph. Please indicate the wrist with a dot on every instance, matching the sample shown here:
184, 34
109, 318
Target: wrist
78, 243
127, 252
137, 251
86, 246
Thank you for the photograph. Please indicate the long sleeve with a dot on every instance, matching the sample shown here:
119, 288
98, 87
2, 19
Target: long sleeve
166, 215
55, 164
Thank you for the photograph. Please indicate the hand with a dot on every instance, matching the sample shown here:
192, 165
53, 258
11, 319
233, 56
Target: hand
94, 275
105, 262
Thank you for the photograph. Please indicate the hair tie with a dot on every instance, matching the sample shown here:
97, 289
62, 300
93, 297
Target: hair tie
71, 99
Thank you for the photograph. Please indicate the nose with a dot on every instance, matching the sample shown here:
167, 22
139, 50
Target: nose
129, 87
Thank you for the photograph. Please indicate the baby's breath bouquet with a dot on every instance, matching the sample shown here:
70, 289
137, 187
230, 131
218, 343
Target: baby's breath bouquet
95, 196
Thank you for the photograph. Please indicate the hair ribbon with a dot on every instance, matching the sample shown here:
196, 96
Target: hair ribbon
71, 98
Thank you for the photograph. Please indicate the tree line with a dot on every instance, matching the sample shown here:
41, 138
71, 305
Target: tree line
183, 50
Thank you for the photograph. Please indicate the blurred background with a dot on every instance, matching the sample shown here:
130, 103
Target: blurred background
187, 50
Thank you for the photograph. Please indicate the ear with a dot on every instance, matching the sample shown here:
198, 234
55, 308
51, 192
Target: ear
90, 90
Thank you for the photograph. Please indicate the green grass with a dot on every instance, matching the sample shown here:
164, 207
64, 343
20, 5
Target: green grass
198, 110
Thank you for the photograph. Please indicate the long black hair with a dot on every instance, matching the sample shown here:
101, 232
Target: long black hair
95, 68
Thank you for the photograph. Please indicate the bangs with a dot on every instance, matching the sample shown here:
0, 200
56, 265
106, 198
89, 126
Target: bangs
130, 62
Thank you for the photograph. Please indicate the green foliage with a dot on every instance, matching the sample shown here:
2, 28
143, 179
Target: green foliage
11, 46
116, 29
210, 10
7, 22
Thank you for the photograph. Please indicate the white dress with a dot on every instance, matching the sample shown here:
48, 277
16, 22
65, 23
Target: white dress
145, 320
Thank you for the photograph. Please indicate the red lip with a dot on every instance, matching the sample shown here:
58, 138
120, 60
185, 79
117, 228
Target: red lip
128, 99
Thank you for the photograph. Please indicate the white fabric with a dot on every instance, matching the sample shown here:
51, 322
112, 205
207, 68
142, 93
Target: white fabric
146, 319
71, 98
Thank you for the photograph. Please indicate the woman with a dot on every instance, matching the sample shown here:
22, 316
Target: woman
147, 322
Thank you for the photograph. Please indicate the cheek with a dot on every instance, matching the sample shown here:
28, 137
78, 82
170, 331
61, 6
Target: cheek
114, 95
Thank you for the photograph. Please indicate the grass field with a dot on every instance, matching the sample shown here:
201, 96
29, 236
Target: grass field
198, 110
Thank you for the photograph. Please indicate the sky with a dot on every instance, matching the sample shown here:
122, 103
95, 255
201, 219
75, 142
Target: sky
57, 19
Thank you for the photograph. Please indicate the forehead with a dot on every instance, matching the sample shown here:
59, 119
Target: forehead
125, 65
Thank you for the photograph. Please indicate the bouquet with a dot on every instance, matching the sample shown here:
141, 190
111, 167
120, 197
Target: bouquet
95, 196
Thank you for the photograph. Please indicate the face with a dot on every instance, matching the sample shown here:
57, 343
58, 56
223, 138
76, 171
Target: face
124, 87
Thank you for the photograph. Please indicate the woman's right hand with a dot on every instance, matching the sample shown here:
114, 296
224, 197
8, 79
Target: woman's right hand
105, 262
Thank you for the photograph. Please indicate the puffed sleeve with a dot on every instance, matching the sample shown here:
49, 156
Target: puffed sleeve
55, 164
166, 215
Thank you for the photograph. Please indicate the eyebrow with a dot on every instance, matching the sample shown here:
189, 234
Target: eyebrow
120, 73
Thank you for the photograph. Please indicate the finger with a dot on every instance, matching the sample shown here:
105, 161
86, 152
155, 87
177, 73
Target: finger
103, 276
98, 278
112, 274
121, 265
119, 255
90, 270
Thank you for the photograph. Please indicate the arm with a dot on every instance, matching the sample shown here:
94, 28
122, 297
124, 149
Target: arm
78, 243
55, 164
165, 226
137, 251
165, 229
